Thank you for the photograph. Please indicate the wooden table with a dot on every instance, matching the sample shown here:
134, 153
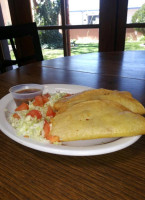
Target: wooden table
28, 174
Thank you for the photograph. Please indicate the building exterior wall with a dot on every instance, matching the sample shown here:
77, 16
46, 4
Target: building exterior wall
83, 17
132, 34
84, 35
92, 35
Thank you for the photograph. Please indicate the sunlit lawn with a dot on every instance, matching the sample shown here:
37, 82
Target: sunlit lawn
86, 48
134, 46
75, 50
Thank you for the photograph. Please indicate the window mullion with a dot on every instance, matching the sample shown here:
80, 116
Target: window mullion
64, 31
121, 25
107, 30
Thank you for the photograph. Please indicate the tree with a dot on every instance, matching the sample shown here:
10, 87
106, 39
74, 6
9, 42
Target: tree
139, 17
46, 13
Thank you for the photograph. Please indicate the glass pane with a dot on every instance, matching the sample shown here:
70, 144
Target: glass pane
46, 12
12, 56
51, 43
83, 12
136, 11
5, 19
135, 40
84, 41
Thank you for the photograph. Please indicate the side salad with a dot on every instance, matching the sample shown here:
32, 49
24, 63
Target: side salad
33, 120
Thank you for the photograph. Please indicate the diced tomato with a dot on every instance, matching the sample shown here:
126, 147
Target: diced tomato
47, 135
46, 95
46, 129
53, 138
26, 136
38, 101
35, 113
67, 95
45, 99
50, 112
23, 106
15, 115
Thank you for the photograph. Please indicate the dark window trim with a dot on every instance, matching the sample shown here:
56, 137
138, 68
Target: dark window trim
135, 25
65, 31
64, 27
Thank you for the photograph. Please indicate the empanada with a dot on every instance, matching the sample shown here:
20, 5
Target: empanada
97, 119
123, 97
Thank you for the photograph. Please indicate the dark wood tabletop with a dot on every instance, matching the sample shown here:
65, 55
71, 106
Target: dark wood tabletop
29, 174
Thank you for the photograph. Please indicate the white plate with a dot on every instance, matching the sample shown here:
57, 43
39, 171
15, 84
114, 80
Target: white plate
75, 148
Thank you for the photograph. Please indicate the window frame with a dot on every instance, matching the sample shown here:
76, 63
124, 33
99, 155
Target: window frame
111, 31
65, 27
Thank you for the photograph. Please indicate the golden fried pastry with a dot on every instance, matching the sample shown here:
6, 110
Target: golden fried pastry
97, 119
123, 97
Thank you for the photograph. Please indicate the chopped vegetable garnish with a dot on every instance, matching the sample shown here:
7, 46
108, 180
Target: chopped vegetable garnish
15, 115
45, 99
46, 129
47, 95
33, 120
53, 139
23, 106
38, 101
35, 113
50, 112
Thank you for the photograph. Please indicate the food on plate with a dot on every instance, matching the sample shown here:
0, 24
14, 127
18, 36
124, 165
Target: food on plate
91, 114
96, 119
122, 97
33, 119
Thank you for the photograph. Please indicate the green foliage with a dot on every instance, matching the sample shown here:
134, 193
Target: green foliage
139, 17
84, 48
51, 39
134, 46
46, 13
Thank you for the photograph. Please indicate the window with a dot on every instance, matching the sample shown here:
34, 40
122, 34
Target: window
5, 20
135, 31
71, 25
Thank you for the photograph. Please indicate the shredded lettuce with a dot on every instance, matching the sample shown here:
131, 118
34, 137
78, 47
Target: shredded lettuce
32, 127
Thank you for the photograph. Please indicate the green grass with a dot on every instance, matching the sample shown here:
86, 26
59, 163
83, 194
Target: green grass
134, 46
52, 53
85, 48
88, 48
75, 50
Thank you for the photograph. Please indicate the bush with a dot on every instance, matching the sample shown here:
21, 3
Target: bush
51, 39
46, 13
139, 17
